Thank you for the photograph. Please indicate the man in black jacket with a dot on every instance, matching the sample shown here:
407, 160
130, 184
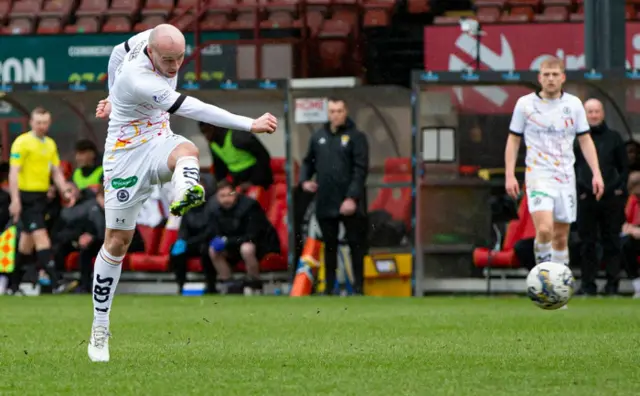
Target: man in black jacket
339, 157
193, 243
240, 155
605, 216
239, 230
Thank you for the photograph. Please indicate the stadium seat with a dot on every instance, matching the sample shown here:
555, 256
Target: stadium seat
149, 22
314, 20
214, 21
60, 9
395, 201
19, 26
124, 8
553, 14
335, 28
446, 20
25, 9
279, 172
518, 15
184, 5
519, 229
278, 19
185, 22
143, 261
488, 14
565, 3
94, 8
244, 21
84, 25
117, 24
49, 25
376, 18
158, 7
418, 6
387, 5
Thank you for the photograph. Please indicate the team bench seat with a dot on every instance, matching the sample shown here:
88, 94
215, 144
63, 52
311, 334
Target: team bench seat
521, 228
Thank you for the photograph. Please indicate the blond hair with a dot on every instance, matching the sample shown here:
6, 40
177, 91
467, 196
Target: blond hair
551, 62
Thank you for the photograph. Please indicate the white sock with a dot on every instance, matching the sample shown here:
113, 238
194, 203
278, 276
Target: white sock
106, 275
542, 251
186, 175
560, 256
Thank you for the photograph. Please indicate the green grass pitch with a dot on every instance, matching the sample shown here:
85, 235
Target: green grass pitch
322, 346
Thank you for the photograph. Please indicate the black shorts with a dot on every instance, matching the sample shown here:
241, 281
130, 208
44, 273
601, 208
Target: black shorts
34, 206
234, 257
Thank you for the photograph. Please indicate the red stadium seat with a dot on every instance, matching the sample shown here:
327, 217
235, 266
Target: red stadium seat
380, 4
518, 15
149, 22
185, 22
279, 19
244, 21
395, 201
314, 20
418, 6
145, 261
214, 21
519, 229
57, 8
158, 7
376, 18
92, 8
49, 25
125, 8
25, 9
488, 14
19, 26
84, 25
117, 24
553, 14
446, 20
260, 195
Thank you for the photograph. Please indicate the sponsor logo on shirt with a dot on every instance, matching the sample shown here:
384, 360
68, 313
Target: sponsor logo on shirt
128, 182
162, 97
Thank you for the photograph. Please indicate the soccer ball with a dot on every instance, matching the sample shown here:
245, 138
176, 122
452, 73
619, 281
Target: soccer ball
550, 285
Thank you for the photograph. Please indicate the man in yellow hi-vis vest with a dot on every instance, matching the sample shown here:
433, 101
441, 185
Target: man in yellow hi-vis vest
88, 172
240, 155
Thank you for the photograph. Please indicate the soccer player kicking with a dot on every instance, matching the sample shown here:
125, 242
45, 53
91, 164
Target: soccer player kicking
550, 120
141, 151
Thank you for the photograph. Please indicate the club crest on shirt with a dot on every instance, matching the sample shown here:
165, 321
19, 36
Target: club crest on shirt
345, 140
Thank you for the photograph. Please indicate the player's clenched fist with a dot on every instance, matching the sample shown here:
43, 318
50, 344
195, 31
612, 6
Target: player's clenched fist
103, 109
267, 123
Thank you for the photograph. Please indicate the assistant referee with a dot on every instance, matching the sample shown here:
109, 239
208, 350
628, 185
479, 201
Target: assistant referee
34, 161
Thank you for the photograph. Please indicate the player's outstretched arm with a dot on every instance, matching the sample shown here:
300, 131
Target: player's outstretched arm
152, 90
198, 110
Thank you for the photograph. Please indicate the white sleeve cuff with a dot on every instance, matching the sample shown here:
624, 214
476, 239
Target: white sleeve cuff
200, 111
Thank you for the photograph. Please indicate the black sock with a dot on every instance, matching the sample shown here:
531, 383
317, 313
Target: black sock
21, 261
46, 262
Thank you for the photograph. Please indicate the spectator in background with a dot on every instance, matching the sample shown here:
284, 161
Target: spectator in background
599, 221
633, 155
88, 171
240, 155
339, 154
193, 243
631, 233
239, 230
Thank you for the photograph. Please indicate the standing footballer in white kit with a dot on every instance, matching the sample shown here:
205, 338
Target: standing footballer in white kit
142, 151
550, 120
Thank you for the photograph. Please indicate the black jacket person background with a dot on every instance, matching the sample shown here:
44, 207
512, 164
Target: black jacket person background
601, 221
338, 156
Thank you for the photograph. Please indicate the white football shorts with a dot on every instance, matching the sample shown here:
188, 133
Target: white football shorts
129, 176
552, 197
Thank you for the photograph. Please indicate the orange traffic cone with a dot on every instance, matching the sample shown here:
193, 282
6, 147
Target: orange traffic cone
307, 268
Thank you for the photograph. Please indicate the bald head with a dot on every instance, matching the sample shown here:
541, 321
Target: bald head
595, 112
166, 48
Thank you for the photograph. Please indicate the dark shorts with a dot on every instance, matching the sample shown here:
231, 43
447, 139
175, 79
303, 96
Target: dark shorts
34, 206
234, 257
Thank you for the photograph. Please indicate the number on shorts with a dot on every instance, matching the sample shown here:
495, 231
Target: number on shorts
192, 173
572, 201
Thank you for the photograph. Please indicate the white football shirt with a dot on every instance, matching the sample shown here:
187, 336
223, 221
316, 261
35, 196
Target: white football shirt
549, 128
141, 101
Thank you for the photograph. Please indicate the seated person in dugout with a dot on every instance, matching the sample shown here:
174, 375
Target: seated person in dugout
239, 231
193, 243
